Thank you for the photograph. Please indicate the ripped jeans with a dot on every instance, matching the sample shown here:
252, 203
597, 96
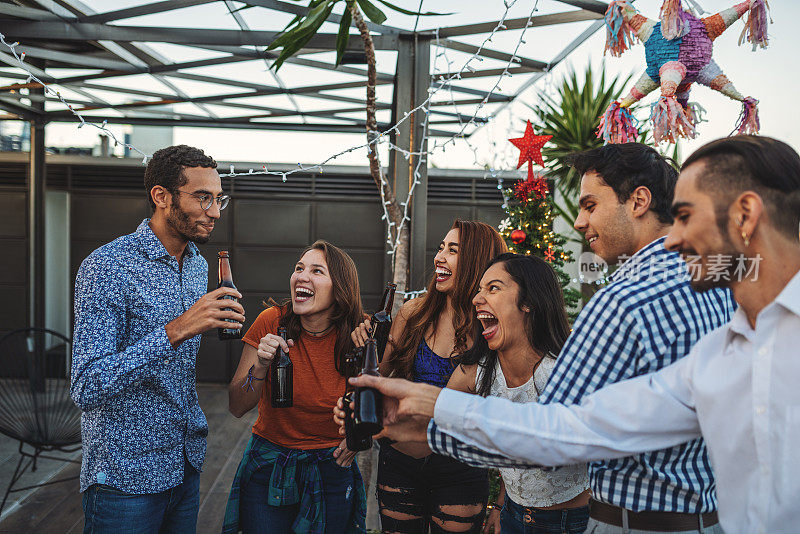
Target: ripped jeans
434, 494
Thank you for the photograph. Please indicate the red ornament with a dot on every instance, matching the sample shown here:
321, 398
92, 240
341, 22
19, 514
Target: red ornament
549, 255
518, 236
530, 148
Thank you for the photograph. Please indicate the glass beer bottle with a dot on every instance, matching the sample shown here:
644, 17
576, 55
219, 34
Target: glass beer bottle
368, 402
382, 320
282, 377
354, 442
226, 280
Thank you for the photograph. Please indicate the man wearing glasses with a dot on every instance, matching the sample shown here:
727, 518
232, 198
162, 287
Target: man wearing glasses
140, 307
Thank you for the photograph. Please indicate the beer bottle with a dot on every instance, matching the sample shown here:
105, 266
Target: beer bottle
382, 320
368, 402
282, 377
354, 442
226, 280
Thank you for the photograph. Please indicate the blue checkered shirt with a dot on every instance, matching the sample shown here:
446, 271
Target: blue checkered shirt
137, 393
645, 319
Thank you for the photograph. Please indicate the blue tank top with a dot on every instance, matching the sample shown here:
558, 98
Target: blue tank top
431, 368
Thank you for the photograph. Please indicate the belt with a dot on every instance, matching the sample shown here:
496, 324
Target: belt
647, 520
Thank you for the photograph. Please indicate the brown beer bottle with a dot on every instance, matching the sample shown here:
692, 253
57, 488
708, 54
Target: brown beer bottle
282, 377
382, 320
226, 280
354, 443
368, 402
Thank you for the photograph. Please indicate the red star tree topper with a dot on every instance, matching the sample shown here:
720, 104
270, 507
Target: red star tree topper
530, 148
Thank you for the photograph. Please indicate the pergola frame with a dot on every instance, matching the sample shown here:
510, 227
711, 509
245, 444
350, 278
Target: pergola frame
66, 34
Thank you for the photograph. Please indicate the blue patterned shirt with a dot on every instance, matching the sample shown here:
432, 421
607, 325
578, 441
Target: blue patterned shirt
646, 319
137, 394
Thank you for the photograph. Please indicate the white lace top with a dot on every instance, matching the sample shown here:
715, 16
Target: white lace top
536, 487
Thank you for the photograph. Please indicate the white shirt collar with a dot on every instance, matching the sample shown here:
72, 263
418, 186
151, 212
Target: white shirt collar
789, 298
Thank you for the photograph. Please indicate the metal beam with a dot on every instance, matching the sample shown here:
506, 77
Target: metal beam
594, 6
76, 31
257, 54
357, 127
492, 97
82, 60
268, 91
36, 217
575, 43
27, 12
155, 69
147, 9
493, 54
518, 24
20, 110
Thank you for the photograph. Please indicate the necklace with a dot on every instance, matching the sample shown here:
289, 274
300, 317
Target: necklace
316, 333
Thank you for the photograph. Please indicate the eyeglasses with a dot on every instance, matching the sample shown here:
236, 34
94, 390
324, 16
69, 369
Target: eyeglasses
206, 199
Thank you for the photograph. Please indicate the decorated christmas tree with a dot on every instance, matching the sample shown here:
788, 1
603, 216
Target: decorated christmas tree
528, 229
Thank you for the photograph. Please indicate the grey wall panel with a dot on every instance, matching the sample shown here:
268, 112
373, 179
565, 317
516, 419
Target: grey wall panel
440, 219
271, 223
370, 271
14, 208
14, 267
13, 307
105, 218
347, 224
213, 358
491, 215
264, 270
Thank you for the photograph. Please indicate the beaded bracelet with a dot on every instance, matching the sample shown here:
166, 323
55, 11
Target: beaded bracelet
249, 382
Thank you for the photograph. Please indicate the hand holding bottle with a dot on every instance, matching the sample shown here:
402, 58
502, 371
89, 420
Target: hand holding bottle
268, 347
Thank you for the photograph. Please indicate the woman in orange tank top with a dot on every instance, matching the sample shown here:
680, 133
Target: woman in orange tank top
288, 479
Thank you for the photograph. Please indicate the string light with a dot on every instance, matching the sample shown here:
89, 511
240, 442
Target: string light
374, 138
48, 90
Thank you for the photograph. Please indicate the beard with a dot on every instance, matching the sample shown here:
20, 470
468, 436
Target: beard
701, 281
181, 222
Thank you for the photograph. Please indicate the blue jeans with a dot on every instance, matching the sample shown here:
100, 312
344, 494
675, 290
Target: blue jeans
517, 519
258, 517
107, 510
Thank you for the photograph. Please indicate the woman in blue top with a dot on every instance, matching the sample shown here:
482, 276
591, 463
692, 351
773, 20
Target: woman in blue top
420, 492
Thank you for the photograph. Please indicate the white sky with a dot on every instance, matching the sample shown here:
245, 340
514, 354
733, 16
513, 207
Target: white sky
767, 75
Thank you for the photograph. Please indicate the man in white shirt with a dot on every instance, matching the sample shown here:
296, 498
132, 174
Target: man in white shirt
737, 210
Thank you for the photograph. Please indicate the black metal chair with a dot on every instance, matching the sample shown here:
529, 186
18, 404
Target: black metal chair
35, 406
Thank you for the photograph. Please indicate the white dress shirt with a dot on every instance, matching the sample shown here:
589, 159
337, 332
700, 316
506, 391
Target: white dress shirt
739, 387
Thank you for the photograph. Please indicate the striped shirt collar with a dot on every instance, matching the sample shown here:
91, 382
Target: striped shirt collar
632, 268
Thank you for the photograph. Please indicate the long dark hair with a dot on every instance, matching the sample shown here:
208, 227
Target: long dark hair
477, 243
347, 311
546, 325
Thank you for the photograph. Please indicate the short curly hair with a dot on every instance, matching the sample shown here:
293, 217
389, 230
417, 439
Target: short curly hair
166, 166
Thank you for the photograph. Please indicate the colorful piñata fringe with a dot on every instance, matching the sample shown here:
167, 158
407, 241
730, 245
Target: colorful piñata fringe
617, 125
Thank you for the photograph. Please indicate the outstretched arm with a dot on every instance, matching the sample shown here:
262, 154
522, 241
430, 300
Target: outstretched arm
607, 424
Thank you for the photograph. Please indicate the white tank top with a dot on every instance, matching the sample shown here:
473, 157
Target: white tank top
536, 487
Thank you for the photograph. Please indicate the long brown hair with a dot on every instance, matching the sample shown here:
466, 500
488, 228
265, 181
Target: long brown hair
347, 312
478, 243
546, 324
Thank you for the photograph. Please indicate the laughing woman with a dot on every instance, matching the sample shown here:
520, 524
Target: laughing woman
521, 308
417, 490
288, 479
